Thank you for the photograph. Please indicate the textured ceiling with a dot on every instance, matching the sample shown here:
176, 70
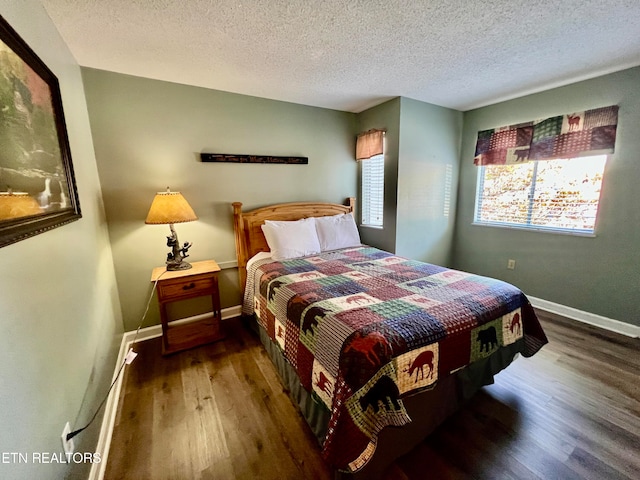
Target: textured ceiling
353, 54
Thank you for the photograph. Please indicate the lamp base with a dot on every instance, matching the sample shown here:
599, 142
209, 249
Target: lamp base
175, 258
173, 266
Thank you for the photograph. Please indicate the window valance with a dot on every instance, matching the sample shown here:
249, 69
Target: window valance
369, 144
580, 134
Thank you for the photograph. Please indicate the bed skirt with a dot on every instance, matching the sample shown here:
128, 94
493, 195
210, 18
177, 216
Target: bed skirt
427, 409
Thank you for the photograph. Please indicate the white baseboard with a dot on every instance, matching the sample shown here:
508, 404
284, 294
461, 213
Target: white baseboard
108, 418
586, 317
156, 330
111, 406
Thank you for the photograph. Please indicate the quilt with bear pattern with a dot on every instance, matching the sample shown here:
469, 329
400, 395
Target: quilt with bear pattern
364, 328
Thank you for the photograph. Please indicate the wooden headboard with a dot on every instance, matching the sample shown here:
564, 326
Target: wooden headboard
248, 232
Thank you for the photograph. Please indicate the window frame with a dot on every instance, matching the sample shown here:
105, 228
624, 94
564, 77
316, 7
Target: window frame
531, 199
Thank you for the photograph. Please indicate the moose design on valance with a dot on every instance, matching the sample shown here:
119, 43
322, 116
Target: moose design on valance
580, 134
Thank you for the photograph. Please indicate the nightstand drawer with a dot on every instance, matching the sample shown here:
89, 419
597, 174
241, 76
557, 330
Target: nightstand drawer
181, 288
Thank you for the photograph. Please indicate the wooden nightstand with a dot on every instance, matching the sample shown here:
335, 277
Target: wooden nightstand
200, 280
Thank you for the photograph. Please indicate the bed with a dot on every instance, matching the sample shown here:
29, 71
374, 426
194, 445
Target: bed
364, 339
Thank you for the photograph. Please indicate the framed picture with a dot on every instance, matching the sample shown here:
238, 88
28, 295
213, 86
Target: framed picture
37, 185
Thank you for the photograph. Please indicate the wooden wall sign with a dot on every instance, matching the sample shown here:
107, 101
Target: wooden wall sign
232, 158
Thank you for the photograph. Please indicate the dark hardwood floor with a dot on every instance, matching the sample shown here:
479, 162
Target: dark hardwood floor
219, 412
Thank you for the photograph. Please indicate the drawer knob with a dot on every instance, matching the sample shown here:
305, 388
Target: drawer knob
189, 287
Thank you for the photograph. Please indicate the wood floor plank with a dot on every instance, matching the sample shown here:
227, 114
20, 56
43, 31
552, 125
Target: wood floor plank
220, 412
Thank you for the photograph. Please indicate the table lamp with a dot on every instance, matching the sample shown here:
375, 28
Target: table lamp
169, 208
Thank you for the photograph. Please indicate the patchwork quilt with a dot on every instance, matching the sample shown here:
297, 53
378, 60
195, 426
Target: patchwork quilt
364, 328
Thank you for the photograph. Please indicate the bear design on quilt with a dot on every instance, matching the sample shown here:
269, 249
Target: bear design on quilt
385, 392
488, 339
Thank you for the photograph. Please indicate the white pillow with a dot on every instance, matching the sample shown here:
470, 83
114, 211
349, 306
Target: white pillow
337, 231
291, 239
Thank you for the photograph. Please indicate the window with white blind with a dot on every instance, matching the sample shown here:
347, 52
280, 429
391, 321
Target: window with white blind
372, 174
554, 195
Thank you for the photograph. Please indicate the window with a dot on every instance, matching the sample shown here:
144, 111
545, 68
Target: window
372, 174
556, 195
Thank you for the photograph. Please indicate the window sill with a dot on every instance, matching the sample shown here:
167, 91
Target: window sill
555, 231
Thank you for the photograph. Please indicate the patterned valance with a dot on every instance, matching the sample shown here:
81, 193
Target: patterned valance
580, 134
369, 144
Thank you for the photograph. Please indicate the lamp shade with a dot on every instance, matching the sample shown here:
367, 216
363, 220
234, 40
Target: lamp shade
17, 204
170, 207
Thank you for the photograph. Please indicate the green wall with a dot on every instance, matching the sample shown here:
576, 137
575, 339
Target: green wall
148, 134
599, 275
421, 167
427, 181
59, 310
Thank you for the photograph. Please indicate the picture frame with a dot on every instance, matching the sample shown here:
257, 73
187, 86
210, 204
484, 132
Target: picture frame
38, 189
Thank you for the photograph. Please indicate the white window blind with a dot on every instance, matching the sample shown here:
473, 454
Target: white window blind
372, 174
556, 195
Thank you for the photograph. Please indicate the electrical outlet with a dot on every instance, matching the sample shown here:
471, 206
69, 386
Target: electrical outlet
511, 264
67, 445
